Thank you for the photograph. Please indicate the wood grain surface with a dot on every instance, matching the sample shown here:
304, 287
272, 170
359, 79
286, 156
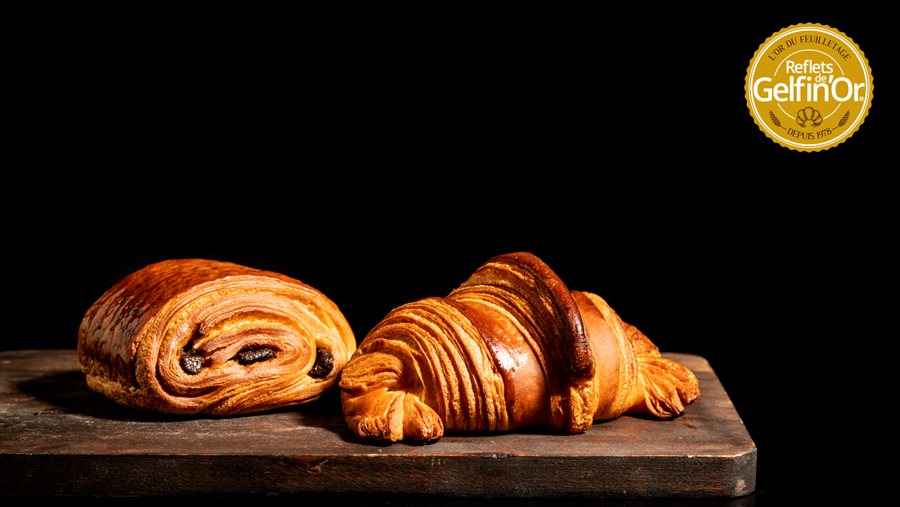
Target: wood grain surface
59, 438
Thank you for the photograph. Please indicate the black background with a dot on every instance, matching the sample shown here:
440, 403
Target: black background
381, 157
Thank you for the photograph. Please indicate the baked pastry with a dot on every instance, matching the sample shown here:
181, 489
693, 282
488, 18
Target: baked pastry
192, 335
511, 347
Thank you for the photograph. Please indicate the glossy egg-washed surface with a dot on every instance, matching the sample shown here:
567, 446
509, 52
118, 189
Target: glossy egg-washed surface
194, 335
511, 347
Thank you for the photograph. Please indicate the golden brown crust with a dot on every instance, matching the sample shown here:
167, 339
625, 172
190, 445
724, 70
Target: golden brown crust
525, 389
525, 286
132, 339
511, 347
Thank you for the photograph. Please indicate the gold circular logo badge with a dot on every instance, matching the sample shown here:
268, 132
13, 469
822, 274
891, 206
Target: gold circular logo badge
809, 87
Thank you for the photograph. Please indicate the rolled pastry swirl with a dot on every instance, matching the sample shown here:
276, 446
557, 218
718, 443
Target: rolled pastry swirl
191, 335
511, 347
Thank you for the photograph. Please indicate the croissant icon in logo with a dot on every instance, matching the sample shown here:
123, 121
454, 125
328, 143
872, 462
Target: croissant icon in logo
809, 87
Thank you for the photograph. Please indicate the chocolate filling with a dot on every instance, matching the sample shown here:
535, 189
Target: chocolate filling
250, 356
324, 363
192, 363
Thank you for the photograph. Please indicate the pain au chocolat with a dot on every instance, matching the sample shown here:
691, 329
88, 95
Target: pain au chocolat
511, 347
191, 335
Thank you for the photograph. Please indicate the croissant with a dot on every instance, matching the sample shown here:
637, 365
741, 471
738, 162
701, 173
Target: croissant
511, 347
191, 335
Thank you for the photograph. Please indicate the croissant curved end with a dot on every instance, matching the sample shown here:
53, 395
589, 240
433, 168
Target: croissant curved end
391, 416
668, 386
380, 395
647, 383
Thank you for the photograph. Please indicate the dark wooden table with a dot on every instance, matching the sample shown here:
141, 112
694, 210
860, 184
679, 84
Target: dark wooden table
59, 438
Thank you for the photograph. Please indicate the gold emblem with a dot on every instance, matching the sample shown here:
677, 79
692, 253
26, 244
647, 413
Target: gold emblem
809, 87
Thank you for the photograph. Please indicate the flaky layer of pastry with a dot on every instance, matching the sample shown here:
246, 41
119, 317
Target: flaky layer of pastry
511, 347
132, 341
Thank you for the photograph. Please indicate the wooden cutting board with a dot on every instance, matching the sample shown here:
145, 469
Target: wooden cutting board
57, 437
